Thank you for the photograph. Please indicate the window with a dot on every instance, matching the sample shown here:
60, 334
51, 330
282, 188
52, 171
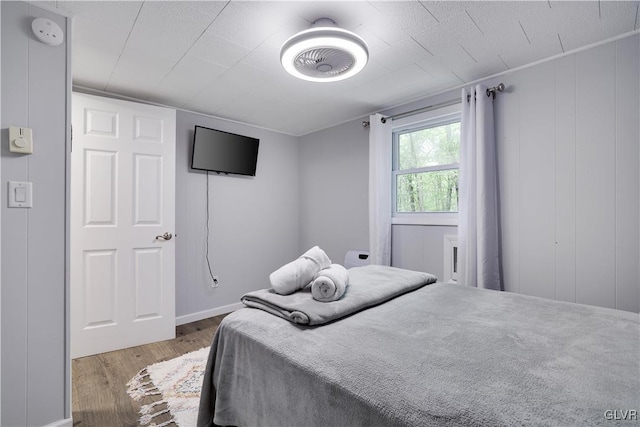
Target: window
426, 156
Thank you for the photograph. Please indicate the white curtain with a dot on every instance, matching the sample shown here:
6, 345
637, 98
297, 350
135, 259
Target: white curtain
379, 190
478, 232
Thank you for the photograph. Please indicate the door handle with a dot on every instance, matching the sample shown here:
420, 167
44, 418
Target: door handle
165, 236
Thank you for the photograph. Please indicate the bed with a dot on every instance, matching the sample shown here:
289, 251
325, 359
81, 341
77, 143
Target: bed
436, 355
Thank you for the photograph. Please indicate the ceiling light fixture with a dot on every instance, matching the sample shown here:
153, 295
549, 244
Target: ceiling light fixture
324, 53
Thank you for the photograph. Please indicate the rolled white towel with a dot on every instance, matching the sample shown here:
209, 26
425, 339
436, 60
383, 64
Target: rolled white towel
330, 284
299, 273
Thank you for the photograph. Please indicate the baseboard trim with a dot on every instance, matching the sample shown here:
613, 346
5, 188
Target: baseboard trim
205, 314
67, 422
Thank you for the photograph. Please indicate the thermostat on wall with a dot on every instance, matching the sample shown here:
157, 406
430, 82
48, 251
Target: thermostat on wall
47, 31
20, 140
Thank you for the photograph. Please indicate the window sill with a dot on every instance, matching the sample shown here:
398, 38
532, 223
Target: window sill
433, 219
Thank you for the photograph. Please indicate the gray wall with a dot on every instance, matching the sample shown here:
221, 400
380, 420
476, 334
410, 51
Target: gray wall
0, 222
568, 147
420, 247
334, 212
34, 94
253, 220
334, 170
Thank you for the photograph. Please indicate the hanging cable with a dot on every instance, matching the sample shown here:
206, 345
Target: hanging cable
215, 281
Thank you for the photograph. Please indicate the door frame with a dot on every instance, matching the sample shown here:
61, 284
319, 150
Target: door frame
68, 410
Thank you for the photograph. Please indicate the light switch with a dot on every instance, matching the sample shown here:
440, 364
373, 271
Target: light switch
20, 195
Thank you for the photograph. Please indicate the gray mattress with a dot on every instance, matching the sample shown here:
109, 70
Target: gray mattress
442, 355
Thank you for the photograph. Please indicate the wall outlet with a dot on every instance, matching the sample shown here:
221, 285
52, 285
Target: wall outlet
215, 282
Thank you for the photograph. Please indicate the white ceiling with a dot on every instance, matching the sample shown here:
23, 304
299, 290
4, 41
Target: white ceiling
222, 57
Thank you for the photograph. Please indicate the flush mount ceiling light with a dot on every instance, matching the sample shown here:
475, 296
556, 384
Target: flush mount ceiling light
324, 53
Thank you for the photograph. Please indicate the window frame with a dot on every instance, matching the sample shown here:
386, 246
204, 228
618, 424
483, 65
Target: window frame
432, 118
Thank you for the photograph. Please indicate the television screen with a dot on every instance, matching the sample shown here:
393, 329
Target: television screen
224, 152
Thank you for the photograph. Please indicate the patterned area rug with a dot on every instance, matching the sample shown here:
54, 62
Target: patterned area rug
175, 385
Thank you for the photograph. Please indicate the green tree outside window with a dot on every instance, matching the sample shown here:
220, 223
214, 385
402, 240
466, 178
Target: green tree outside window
427, 175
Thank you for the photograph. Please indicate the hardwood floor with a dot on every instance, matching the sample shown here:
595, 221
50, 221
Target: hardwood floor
99, 390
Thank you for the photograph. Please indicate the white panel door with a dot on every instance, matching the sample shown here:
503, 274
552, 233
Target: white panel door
122, 204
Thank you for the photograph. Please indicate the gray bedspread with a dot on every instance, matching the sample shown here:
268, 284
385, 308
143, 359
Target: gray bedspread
368, 286
442, 355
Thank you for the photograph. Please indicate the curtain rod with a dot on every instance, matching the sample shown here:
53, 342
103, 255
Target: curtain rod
421, 110
490, 91
416, 111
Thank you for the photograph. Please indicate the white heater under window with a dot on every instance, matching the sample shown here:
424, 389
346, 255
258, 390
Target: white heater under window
356, 259
450, 258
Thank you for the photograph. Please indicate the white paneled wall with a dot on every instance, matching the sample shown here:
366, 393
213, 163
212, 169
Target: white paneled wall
568, 142
627, 95
418, 247
536, 168
568, 160
35, 376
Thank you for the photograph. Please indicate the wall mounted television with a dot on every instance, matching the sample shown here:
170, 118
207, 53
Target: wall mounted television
224, 152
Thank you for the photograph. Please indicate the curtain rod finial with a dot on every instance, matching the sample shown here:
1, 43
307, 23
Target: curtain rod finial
492, 90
